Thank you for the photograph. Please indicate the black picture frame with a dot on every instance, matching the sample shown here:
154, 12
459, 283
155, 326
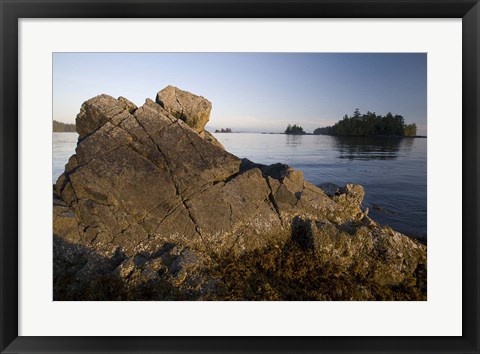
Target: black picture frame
13, 10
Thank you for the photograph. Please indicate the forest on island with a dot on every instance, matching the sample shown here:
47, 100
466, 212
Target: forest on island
369, 124
59, 127
294, 130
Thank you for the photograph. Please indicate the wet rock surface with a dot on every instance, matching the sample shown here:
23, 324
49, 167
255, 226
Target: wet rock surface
151, 207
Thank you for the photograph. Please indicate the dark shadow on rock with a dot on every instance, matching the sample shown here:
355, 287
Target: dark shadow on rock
302, 233
277, 171
81, 274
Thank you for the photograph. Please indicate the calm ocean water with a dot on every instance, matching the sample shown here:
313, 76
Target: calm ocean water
393, 171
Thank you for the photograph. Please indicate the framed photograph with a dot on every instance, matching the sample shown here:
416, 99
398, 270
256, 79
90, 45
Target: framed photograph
239, 176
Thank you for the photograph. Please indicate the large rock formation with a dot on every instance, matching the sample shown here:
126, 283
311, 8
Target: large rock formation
152, 207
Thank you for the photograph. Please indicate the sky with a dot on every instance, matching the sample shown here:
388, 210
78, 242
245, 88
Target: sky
253, 92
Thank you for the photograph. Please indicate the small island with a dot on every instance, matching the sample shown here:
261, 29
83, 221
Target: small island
294, 130
370, 124
226, 130
59, 127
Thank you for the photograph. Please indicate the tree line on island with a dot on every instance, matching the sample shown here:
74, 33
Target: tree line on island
226, 130
368, 124
59, 127
294, 130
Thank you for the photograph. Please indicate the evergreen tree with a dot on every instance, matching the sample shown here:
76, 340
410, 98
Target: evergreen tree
356, 114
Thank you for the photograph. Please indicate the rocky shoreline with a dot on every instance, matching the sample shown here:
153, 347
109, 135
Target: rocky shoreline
151, 207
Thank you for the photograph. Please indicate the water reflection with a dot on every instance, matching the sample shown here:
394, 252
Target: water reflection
371, 148
293, 140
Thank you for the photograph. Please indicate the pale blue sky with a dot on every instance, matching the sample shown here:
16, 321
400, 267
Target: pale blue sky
252, 91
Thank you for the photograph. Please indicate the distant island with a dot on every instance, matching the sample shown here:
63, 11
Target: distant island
227, 130
370, 124
59, 127
294, 130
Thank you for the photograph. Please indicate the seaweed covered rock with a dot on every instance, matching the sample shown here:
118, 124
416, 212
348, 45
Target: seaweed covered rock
152, 207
